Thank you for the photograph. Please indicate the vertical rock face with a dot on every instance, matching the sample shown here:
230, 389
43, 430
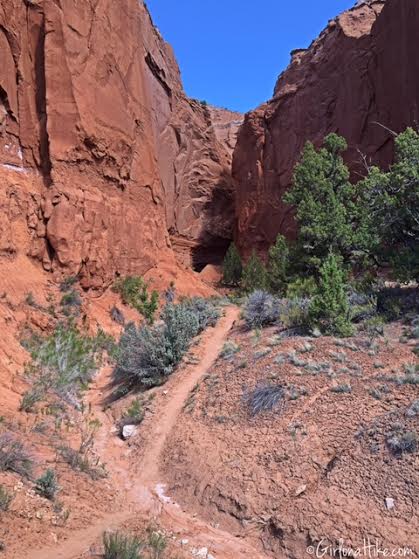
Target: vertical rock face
362, 72
100, 150
194, 151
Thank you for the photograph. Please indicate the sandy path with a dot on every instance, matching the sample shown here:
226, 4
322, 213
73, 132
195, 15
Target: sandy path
140, 486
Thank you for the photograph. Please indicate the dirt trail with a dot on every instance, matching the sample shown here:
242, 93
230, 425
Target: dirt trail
139, 485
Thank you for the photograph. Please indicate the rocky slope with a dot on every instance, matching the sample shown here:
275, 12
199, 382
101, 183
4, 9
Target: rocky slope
361, 71
101, 152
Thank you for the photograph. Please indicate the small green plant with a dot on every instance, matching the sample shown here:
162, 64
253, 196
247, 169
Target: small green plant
121, 546
254, 275
134, 292
71, 301
30, 299
329, 308
47, 485
5, 499
134, 414
158, 543
232, 267
67, 283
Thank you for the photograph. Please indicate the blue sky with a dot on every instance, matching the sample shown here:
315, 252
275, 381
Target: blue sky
231, 51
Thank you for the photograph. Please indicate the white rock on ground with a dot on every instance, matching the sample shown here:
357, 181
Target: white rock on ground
128, 431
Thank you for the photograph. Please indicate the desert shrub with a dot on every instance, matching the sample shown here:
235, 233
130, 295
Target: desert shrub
67, 283
148, 354
65, 361
117, 315
413, 409
121, 546
229, 350
30, 299
14, 457
157, 542
204, 310
260, 309
254, 275
32, 397
294, 314
134, 292
342, 389
401, 442
83, 458
47, 485
5, 499
232, 266
278, 266
361, 306
264, 398
301, 288
329, 308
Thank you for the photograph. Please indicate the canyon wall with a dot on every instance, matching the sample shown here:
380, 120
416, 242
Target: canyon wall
357, 79
101, 152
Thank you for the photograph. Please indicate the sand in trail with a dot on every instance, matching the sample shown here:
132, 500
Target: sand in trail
139, 482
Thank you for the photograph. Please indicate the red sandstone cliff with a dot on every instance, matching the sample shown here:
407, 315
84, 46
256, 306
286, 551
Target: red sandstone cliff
101, 153
362, 70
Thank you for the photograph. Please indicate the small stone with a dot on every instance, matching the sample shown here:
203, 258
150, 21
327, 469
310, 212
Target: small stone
128, 431
184, 542
300, 489
201, 553
389, 503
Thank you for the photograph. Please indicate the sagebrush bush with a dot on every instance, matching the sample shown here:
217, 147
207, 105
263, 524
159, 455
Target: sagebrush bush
14, 457
260, 309
148, 354
294, 313
121, 546
5, 499
264, 398
402, 442
47, 485
134, 292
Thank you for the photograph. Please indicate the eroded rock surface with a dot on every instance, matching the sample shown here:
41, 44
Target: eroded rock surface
100, 149
362, 70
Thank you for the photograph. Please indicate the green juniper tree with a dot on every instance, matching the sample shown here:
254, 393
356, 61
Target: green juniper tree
232, 267
329, 308
390, 201
326, 207
254, 274
278, 264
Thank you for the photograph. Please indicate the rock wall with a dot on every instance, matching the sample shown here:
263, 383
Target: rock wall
358, 77
194, 151
101, 153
